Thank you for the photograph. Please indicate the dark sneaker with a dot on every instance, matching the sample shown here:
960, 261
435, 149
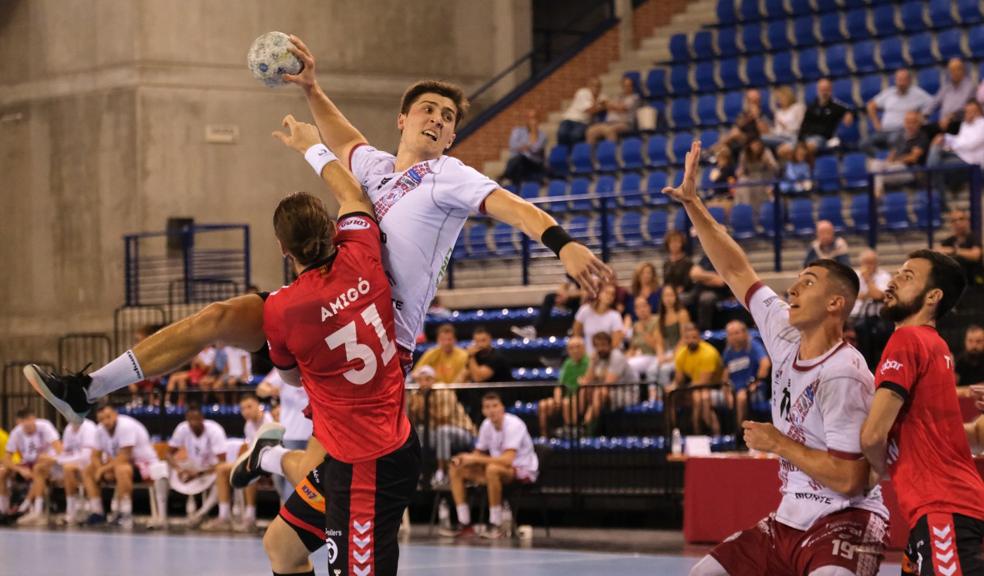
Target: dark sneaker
462, 532
67, 393
95, 520
247, 468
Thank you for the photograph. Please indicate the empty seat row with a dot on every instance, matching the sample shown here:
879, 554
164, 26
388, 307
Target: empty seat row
909, 16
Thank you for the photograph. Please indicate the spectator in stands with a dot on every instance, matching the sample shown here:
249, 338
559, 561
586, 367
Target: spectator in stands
697, 364
672, 316
203, 365
966, 147
645, 284
756, 164
566, 300
586, 104
237, 372
956, 91
195, 450
874, 282
37, 442
786, 122
526, 145
828, 245
503, 454
78, 442
723, 173
677, 265
964, 245
711, 289
449, 361
821, 119
254, 417
485, 363
908, 151
613, 381
970, 363
574, 367
894, 102
439, 413
797, 175
597, 317
619, 117
642, 343
750, 124
746, 365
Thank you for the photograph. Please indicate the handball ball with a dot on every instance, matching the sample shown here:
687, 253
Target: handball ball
269, 59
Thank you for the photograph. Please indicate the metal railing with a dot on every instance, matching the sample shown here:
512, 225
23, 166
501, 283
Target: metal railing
16, 393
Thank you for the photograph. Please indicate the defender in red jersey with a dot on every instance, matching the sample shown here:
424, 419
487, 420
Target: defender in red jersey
915, 432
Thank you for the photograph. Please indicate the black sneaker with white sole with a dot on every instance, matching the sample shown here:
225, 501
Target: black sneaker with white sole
247, 468
67, 393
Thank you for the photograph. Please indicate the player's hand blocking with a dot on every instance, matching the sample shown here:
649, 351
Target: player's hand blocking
305, 78
686, 192
584, 267
301, 135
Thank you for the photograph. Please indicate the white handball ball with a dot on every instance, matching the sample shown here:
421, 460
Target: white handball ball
269, 59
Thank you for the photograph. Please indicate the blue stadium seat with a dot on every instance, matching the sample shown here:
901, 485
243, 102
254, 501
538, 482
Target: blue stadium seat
709, 138
581, 187
844, 90
826, 172
831, 209
913, 16
749, 11
529, 190
975, 40
556, 189
809, 64
895, 209
705, 76
860, 213
801, 217
949, 43
732, 104
558, 159
775, 9
460, 251
680, 221
836, 59
579, 227
921, 49
718, 213
782, 68
630, 229
800, 7
920, 206
970, 12
630, 190
727, 41
707, 112
632, 153
929, 80
656, 83
504, 238
941, 14
864, 57
743, 222
803, 34
703, 44
870, 86
478, 240
656, 152
606, 154
856, 23
831, 31
755, 71
891, 52
828, 5
728, 71
657, 226
726, 12
751, 38
679, 49
767, 220
581, 162
849, 135
777, 35
605, 185
655, 183
680, 80
809, 93
883, 20
855, 171
681, 116
680, 145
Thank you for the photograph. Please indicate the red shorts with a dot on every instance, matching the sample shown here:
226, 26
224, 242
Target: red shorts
853, 538
195, 375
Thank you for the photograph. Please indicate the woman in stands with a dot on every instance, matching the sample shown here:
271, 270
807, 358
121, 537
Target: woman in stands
645, 284
672, 315
600, 316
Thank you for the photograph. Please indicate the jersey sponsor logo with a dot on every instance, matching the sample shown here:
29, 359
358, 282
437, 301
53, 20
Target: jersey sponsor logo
815, 497
890, 365
354, 223
332, 550
407, 182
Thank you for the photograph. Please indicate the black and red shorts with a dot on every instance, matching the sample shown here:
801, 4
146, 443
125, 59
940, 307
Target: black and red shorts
356, 509
945, 544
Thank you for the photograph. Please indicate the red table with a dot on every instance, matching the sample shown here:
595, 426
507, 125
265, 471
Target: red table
727, 493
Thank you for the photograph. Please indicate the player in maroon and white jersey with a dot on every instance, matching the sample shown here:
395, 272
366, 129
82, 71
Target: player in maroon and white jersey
827, 523
915, 432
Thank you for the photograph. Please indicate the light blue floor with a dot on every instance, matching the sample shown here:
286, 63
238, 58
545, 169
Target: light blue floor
40, 553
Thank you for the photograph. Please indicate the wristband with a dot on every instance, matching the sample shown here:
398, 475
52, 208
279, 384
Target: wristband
555, 238
319, 156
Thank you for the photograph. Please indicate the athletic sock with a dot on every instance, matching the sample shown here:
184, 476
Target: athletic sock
249, 514
464, 514
71, 506
126, 507
270, 460
223, 510
308, 573
495, 515
96, 506
38, 506
119, 373
4, 504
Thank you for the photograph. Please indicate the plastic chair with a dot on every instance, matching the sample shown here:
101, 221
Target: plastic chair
558, 159
656, 152
743, 222
581, 162
707, 110
607, 155
777, 34
803, 32
630, 190
631, 151
809, 64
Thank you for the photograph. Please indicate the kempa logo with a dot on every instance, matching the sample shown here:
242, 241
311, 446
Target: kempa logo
890, 365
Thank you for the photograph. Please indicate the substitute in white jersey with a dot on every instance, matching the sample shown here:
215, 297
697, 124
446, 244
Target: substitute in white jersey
254, 418
196, 448
79, 440
828, 523
37, 442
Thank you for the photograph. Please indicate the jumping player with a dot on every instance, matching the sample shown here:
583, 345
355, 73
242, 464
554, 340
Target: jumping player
827, 523
915, 431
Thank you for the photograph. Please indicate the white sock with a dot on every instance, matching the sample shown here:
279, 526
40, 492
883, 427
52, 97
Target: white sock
249, 514
96, 506
119, 373
71, 506
495, 515
38, 506
223, 510
4, 504
126, 507
270, 461
464, 514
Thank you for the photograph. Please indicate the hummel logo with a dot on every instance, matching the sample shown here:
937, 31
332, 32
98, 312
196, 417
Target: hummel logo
362, 528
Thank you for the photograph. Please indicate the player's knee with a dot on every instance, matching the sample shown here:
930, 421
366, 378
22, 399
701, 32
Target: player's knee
708, 566
278, 545
832, 571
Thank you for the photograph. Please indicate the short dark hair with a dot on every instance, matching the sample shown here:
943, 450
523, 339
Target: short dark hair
481, 330
945, 274
305, 229
489, 396
193, 407
446, 89
103, 405
973, 328
446, 328
844, 276
601, 337
25, 412
249, 396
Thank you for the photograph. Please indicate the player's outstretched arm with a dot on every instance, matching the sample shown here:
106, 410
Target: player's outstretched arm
728, 258
583, 266
874, 434
337, 132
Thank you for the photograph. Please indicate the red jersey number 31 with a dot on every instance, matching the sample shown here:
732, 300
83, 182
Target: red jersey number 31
355, 350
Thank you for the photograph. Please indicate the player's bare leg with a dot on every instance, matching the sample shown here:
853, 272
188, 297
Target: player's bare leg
496, 475
296, 464
287, 554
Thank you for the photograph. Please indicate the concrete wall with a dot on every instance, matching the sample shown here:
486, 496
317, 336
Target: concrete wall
103, 111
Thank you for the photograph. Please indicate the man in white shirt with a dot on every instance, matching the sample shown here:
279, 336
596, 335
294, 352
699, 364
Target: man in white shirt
957, 90
297, 426
966, 147
236, 372
821, 393
894, 102
195, 450
874, 282
587, 102
37, 442
78, 442
503, 454
255, 418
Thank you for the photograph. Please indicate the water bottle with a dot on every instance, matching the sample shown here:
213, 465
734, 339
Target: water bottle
676, 446
444, 514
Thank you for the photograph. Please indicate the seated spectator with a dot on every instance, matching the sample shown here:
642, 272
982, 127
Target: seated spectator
485, 363
202, 366
746, 365
710, 290
874, 281
526, 145
967, 147
449, 361
619, 117
822, 118
755, 165
599, 316
611, 378
37, 442
894, 102
567, 299
503, 454
645, 284
677, 265
828, 245
438, 412
642, 344
797, 175
78, 442
672, 316
750, 124
723, 173
965, 247
697, 364
236, 372
586, 104
195, 450
970, 363
567, 397
254, 418
786, 121
908, 151
956, 91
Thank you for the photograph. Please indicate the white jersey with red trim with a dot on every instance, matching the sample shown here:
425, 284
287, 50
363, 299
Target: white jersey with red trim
421, 211
820, 403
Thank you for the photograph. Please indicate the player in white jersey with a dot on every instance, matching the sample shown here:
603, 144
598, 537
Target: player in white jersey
828, 523
37, 442
202, 443
297, 429
78, 442
124, 455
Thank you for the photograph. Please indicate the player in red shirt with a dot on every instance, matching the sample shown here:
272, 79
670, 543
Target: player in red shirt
914, 430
